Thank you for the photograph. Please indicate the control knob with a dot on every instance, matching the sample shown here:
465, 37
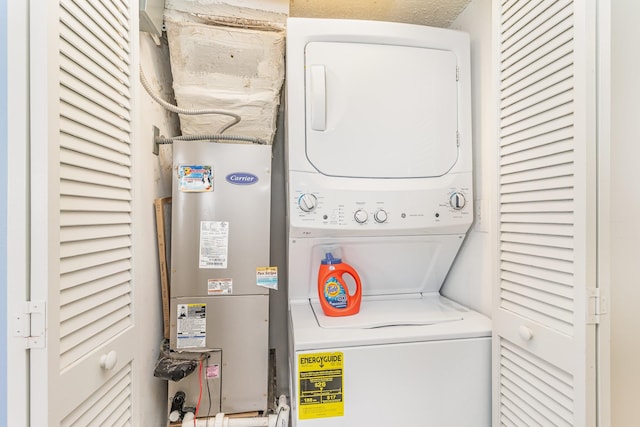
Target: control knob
307, 202
361, 216
380, 216
457, 200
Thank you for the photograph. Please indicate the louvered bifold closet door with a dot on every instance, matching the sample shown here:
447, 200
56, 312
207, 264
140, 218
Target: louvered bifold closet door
91, 335
543, 344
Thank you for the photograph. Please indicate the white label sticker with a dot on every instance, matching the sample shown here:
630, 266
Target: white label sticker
267, 277
214, 244
219, 286
192, 326
213, 371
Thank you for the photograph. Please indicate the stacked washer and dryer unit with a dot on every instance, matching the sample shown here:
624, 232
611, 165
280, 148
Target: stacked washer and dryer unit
379, 165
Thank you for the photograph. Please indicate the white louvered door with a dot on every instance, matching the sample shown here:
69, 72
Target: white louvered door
544, 331
81, 239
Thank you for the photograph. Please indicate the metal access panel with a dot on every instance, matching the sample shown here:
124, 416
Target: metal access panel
209, 375
239, 327
221, 202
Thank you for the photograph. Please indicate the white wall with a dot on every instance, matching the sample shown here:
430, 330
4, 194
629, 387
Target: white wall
472, 275
152, 179
437, 13
625, 214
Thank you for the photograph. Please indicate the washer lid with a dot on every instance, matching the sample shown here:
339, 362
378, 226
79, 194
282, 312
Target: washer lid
382, 311
380, 111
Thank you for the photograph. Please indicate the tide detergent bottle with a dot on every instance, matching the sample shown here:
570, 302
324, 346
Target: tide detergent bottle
333, 292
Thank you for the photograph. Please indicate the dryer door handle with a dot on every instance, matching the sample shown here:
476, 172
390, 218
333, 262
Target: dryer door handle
318, 94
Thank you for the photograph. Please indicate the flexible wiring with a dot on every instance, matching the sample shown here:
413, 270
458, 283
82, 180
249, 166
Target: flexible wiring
175, 109
195, 415
208, 388
278, 416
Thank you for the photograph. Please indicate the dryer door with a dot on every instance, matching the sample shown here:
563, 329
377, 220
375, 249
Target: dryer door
380, 111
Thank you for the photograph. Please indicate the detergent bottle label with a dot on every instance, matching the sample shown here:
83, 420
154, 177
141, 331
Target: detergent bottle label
334, 293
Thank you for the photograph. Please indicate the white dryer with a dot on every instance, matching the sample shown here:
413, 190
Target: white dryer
379, 163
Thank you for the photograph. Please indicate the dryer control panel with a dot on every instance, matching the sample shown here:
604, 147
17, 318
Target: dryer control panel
316, 211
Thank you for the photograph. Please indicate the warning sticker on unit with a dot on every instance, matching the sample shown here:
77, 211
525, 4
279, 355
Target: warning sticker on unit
320, 376
267, 277
213, 371
195, 178
219, 286
214, 244
191, 325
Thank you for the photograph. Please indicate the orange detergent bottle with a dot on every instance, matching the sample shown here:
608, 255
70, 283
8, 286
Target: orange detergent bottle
333, 292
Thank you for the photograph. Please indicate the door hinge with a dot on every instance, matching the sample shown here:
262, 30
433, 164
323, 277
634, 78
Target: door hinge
30, 324
457, 73
596, 306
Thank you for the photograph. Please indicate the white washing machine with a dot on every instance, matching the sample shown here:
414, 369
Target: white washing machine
379, 164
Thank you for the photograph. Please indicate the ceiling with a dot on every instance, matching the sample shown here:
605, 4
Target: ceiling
435, 13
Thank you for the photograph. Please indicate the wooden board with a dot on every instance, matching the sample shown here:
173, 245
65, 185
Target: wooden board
162, 259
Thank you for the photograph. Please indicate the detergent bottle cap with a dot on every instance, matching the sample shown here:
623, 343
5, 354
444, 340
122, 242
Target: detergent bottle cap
329, 259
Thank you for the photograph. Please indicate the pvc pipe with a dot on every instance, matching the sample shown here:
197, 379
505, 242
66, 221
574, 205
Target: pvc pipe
279, 419
221, 420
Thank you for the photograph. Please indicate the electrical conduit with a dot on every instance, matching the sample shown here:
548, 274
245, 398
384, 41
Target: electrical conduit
213, 137
175, 109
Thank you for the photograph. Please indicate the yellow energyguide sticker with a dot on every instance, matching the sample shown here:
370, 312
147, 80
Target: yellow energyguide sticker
320, 379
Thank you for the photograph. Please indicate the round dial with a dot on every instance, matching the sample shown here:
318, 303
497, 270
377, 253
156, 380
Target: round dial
457, 200
381, 216
307, 202
361, 216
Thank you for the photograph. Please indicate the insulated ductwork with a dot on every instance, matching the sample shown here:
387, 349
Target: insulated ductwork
228, 64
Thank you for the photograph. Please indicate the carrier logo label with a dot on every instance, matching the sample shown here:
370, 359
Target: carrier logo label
241, 178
